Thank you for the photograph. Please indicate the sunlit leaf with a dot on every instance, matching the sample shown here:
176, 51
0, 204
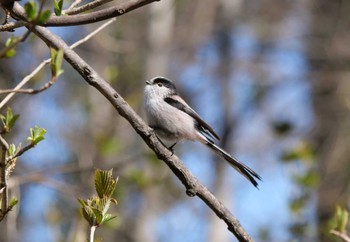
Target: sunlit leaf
107, 217
13, 202
105, 184
58, 7
56, 62
98, 215
36, 135
9, 120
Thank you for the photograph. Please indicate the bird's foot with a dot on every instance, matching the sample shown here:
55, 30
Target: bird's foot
171, 148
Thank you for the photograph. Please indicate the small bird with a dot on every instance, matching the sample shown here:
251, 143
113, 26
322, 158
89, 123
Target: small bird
174, 120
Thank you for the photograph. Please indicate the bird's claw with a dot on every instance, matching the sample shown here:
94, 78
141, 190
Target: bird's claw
171, 148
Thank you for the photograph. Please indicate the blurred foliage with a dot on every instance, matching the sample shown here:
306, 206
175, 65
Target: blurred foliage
306, 179
302, 152
12, 51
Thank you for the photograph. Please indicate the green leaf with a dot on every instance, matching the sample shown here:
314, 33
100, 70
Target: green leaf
56, 62
12, 41
44, 15
13, 202
107, 217
11, 151
106, 204
105, 184
98, 215
87, 212
30, 9
9, 120
58, 7
36, 135
59, 59
53, 59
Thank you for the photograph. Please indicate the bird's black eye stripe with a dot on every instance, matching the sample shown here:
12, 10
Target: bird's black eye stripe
164, 82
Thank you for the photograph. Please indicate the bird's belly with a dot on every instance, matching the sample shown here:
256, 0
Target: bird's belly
171, 123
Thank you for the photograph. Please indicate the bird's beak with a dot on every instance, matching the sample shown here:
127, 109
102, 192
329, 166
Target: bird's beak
148, 83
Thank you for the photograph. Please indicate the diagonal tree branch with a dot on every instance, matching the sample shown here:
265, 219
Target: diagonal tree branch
17, 12
191, 183
193, 186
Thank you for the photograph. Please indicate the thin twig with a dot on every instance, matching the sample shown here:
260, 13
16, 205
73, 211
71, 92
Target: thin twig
24, 81
31, 90
86, 7
75, 3
20, 152
92, 233
342, 236
27, 78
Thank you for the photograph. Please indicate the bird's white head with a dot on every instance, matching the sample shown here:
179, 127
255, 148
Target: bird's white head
159, 87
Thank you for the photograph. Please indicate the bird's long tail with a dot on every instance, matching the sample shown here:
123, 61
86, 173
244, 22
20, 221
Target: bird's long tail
241, 168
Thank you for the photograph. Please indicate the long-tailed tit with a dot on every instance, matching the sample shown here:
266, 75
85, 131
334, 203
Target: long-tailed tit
174, 120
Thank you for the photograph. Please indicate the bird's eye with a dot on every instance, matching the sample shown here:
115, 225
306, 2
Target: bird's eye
160, 84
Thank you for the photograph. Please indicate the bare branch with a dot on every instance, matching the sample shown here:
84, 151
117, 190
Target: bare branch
191, 183
11, 26
17, 12
24, 81
31, 90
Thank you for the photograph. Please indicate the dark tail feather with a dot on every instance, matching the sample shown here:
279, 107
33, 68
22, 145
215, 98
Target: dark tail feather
241, 168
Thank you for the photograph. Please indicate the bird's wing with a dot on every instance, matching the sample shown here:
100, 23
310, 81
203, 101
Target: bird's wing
180, 104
